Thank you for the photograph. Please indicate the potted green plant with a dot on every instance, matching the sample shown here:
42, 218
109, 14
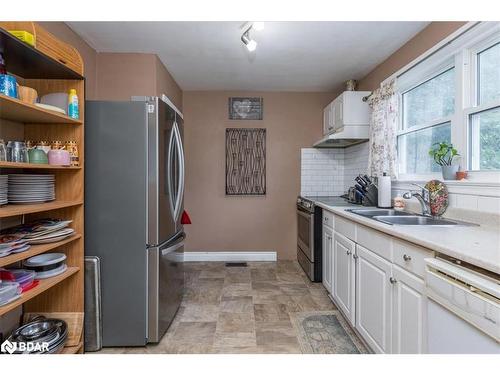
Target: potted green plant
443, 154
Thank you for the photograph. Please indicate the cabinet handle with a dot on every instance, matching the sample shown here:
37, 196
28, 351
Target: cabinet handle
355, 256
392, 280
348, 252
406, 258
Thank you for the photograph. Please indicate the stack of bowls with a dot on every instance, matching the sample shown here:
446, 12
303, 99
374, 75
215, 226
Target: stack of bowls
46, 265
53, 332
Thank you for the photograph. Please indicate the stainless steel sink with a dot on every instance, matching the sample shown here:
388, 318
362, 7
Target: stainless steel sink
393, 217
378, 212
417, 220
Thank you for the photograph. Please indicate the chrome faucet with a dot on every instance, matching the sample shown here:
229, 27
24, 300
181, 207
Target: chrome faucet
423, 198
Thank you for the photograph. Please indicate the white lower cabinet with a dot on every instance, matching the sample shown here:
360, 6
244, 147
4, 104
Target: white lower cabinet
408, 316
374, 299
344, 275
381, 293
327, 261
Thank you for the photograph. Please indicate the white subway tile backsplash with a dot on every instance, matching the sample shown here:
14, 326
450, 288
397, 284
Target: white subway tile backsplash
331, 171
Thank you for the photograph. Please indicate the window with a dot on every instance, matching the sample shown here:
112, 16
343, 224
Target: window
454, 96
430, 101
484, 132
485, 140
426, 111
488, 63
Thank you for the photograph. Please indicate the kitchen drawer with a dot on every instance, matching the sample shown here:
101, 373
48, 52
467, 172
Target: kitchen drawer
328, 218
345, 227
375, 241
411, 257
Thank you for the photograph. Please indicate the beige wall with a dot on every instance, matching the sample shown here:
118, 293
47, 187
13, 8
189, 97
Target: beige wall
222, 223
118, 76
428, 37
122, 75
165, 84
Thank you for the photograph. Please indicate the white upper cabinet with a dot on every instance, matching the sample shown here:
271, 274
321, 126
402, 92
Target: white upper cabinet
347, 109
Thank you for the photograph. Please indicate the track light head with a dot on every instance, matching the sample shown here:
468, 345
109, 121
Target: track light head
249, 43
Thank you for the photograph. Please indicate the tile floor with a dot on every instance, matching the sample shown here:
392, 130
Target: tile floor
239, 310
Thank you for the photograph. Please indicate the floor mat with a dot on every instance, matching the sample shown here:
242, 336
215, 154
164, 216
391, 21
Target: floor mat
326, 332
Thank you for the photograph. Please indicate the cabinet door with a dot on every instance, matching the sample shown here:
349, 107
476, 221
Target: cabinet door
409, 308
343, 275
327, 258
338, 121
373, 299
328, 118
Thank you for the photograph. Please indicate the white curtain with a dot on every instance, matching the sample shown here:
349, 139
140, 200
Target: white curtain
383, 129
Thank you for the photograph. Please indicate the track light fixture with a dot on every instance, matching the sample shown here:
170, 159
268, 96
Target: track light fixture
249, 43
245, 37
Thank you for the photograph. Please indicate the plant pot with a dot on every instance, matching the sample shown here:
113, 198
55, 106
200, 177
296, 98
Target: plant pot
449, 172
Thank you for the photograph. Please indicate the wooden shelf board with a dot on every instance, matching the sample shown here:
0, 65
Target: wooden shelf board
72, 349
15, 110
13, 165
44, 285
35, 250
23, 209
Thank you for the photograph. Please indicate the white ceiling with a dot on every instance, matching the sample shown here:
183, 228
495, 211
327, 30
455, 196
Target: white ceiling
290, 56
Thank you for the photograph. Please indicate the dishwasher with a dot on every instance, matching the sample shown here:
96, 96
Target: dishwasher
463, 309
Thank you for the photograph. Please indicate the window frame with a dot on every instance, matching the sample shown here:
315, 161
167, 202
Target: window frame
462, 53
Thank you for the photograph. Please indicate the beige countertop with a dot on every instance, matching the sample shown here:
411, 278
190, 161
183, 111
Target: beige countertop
477, 245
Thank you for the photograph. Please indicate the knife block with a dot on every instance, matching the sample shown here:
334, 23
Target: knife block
371, 197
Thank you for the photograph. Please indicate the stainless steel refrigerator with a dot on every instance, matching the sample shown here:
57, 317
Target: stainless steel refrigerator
134, 187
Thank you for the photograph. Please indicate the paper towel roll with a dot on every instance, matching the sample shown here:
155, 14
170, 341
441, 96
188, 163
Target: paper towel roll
384, 191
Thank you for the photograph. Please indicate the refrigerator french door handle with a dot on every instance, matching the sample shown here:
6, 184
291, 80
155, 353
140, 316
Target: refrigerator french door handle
180, 153
169, 173
173, 247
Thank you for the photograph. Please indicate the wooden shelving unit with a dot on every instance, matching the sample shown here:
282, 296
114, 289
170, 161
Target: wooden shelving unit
36, 250
15, 110
46, 74
13, 165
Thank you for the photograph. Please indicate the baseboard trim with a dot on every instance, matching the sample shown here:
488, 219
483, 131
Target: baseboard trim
230, 256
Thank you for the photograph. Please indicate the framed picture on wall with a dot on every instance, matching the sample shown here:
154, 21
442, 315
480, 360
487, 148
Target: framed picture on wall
245, 108
245, 161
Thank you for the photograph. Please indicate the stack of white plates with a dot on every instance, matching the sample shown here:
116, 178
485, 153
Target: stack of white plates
31, 188
3, 189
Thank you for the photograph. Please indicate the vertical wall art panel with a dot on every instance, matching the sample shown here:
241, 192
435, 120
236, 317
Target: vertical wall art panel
245, 161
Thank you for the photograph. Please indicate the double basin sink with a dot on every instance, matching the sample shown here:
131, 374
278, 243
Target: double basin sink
393, 217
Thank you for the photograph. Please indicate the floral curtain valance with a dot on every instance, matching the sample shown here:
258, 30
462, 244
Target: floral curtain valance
383, 129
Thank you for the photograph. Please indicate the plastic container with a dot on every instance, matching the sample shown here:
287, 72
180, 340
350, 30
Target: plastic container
23, 277
25, 36
8, 291
73, 104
